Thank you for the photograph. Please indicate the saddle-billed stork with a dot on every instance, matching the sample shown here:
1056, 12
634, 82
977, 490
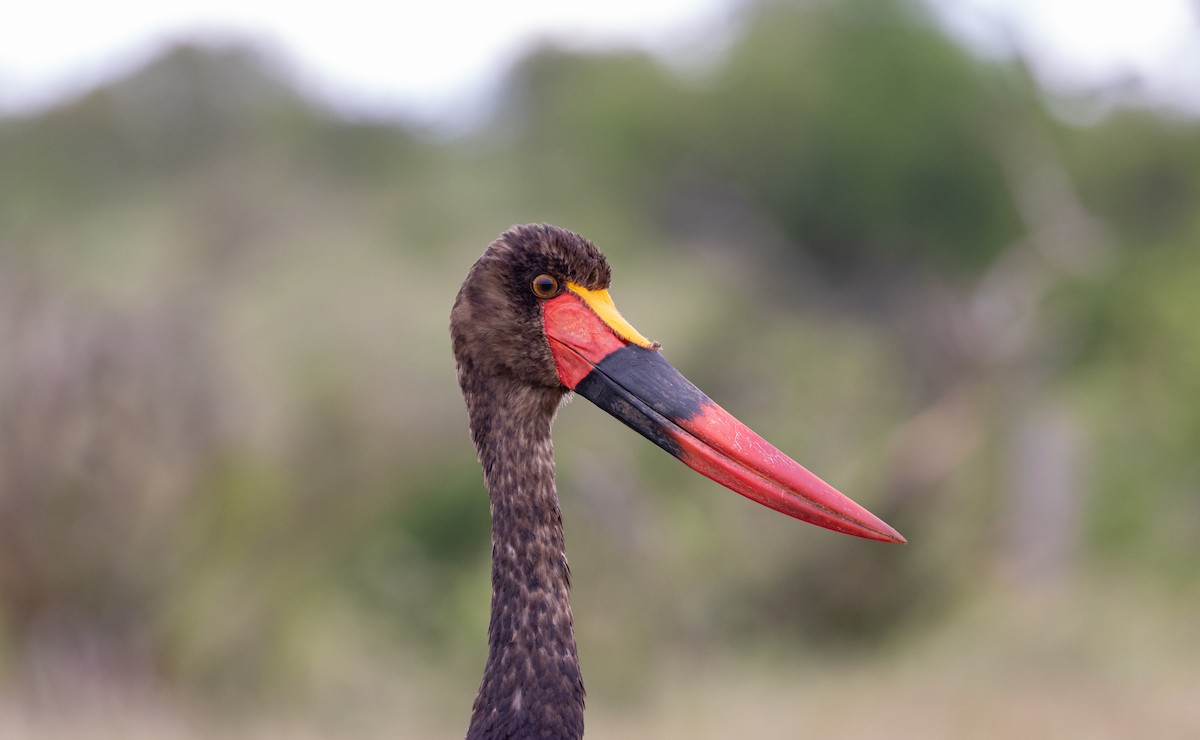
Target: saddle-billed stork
532, 322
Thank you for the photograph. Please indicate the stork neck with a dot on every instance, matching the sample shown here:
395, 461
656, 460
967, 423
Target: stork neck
531, 685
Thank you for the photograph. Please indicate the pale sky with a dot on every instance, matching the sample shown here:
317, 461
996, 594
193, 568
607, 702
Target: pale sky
1077, 44
427, 58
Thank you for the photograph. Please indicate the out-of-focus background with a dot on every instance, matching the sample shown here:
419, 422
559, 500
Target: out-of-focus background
946, 254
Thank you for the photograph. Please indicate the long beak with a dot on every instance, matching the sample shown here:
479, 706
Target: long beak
602, 358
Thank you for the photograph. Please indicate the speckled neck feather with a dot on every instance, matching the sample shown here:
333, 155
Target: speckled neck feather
532, 687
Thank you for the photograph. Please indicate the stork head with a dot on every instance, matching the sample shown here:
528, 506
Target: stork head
534, 313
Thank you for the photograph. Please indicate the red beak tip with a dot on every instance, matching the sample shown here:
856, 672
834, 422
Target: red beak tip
887, 535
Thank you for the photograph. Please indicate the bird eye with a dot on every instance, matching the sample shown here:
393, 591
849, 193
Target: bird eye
545, 286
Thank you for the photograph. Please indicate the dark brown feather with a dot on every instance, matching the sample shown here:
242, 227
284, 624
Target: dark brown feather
532, 687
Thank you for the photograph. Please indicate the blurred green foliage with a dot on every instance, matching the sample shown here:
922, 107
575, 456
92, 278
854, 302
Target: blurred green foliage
234, 455
810, 117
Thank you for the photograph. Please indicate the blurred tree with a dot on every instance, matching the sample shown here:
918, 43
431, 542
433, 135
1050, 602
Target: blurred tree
866, 133
190, 109
860, 129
